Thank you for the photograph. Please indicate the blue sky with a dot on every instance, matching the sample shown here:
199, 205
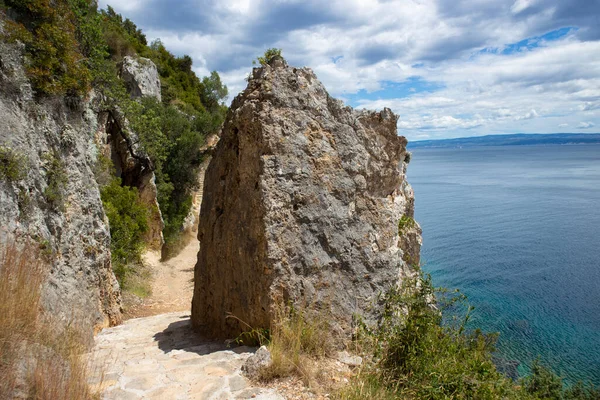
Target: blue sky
449, 68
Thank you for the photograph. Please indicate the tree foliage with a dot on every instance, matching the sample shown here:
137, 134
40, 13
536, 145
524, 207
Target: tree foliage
128, 223
267, 56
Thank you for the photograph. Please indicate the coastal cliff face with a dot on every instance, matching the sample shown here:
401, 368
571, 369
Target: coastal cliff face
53, 199
302, 203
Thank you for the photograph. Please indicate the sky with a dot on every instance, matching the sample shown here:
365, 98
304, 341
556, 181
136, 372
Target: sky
448, 68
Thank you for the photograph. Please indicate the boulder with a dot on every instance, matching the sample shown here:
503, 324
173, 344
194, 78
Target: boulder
141, 77
302, 203
257, 362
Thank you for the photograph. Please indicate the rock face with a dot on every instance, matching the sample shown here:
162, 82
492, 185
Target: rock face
55, 200
141, 77
190, 224
133, 165
302, 203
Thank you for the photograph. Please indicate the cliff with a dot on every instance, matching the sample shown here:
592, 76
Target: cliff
302, 202
53, 198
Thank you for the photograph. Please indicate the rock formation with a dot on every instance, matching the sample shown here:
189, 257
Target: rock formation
54, 200
132, 164
302, 203
141, 77
190, 224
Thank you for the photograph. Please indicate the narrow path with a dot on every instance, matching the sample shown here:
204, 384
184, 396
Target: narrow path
172, 284
160, 357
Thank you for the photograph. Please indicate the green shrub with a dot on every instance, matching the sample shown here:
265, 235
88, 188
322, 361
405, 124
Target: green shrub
56, 180
267, 56
416, 356
405, 222
55, 64
13, 165
128, 219
70, 46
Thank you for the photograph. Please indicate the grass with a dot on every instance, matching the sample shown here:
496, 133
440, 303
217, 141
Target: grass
296, 340
40, 357
13, 165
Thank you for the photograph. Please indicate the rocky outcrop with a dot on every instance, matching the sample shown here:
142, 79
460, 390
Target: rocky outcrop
302, 203
54, 200
141, 77
121, 144
134, 167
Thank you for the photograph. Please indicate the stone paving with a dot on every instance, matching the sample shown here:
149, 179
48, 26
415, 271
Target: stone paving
160, 357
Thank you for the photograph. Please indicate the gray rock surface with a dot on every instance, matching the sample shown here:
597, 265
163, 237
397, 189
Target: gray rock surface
256, 362
141, 77
302, 201
71, 230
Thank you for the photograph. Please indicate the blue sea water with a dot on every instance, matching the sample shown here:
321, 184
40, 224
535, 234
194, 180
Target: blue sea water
517, 229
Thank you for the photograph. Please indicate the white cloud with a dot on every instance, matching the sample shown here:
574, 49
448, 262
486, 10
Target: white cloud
589, 106
359, 45
521, 5
530, 115
585, 125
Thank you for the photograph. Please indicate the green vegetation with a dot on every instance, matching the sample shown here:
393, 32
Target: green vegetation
173, 131
265, 58
47, 28
56, 180
13, 165
405, 222
415, 356
128, 223
71, 46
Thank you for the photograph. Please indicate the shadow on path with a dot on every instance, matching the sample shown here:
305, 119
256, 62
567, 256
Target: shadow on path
180, 336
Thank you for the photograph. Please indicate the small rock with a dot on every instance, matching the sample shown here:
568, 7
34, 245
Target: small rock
259, 360
348, 359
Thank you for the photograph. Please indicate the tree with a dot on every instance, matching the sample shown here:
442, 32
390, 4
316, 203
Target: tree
269, 54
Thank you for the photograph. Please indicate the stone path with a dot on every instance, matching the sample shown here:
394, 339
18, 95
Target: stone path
160, 357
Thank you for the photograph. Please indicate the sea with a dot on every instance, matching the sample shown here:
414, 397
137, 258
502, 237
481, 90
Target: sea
517, 229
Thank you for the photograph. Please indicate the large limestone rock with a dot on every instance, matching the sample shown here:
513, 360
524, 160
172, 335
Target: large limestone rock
302, 201
121, 144
141, 77
55, 203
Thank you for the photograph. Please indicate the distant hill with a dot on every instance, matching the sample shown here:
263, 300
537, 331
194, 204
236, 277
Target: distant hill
519, 139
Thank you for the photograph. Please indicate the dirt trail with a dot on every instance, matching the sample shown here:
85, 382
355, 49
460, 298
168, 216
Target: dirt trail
172, 284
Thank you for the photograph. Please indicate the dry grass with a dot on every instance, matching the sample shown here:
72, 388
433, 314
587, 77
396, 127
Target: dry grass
40, 358
297, 341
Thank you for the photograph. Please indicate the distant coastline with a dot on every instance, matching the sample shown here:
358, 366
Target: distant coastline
519, 139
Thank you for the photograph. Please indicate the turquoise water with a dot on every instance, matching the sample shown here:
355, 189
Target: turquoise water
517, 229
